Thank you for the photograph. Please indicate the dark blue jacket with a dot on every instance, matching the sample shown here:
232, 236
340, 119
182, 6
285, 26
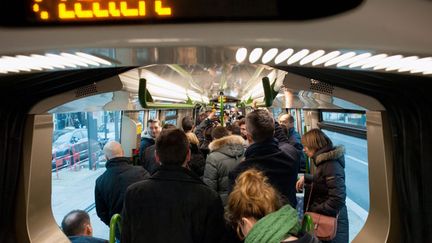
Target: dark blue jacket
86, 239
145, 143
278, 165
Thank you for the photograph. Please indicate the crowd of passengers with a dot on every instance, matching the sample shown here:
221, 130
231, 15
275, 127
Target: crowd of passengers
213, 183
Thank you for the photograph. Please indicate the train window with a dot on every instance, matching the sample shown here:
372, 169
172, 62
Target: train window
77, 160
356, 119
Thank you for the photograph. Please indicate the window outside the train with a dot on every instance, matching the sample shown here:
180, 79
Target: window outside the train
355, 119
78, 159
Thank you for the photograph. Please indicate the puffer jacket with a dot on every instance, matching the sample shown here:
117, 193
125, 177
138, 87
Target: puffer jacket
329, 191
226, 153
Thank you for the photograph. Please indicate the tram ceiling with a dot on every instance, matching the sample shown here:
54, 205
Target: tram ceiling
170, 84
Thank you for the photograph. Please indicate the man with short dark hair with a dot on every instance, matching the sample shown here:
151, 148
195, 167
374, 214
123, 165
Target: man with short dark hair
112, 184
279, 161
148, 139
187, 124
76, 226
174, 205
150, 163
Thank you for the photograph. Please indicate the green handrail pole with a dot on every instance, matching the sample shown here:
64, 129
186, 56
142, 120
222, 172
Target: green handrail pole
222, 115
115, 221
269, 92
307, 224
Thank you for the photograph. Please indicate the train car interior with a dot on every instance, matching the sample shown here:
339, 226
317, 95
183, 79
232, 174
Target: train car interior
358, 70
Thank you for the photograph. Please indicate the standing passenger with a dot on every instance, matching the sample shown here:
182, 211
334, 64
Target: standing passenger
328, 191
287, 120
149, 163
280, 165
226, 152
174, 205
112, 184
154, 128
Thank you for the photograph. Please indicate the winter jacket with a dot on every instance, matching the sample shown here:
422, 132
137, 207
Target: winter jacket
112, 184
200, 133
295, 140
86, 239
279, 166
149, 162
197, 162
226, 153
328, 191
146, 142
172, 206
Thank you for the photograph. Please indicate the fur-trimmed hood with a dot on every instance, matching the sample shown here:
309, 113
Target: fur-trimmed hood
232, 145
337, 153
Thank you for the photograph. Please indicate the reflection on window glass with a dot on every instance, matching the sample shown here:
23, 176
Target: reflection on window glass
171, 113
78, 159
172, 121
356, 119
152, 114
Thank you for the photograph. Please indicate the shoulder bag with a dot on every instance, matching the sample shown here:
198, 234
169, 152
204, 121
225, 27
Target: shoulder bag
324, 227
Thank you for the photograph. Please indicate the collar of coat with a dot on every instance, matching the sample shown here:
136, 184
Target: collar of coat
175, 173
329, 153
232, 139
117, 161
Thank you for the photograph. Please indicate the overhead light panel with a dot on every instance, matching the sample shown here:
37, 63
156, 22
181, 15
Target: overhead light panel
241, 55
49, 61
312, 57
374, 61
296, 57
340, 58
269, 55
354, 59
255, 55
325, 58
284, 55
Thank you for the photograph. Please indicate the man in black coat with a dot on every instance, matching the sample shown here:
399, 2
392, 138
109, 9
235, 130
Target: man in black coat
148, 139
174, 205
112, 184
275, 157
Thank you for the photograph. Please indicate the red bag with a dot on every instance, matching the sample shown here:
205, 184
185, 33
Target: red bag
325, 227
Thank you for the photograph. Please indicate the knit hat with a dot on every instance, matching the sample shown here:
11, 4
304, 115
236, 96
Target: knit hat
275, 227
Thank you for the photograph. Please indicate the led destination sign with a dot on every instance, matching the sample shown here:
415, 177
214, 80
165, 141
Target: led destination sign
62, 10
152, 11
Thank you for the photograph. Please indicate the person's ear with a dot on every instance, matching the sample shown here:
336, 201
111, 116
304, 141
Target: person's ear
246, 225
88, 231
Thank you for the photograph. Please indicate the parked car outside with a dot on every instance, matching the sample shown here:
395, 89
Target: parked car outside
72, 147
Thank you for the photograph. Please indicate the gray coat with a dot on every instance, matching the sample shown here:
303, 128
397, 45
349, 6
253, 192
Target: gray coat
225, 154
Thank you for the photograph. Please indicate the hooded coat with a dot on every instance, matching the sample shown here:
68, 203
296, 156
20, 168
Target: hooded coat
226, 153
329, 191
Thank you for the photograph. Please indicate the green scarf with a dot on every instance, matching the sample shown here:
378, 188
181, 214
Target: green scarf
275, 227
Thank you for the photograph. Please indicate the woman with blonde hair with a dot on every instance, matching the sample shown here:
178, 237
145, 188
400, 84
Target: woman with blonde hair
328, 181
255, 210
